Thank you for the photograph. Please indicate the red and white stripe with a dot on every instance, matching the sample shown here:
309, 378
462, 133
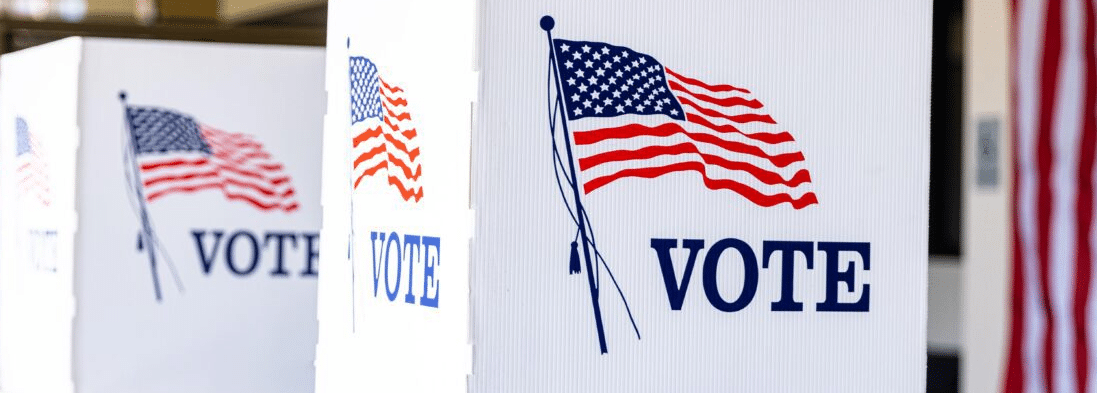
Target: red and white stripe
387, 148
32, 174
727, 139
239, 167
1051, 345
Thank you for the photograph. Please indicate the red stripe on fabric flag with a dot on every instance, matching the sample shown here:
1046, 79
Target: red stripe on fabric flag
1044, 160
1015, 376
1084, 206
772, 178
668, 129
703, 85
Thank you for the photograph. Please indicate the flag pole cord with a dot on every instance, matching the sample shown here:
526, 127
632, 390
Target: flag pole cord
559, 167
547, 24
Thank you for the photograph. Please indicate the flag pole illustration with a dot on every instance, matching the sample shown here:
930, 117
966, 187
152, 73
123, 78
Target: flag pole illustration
579, 214
145, 238
171, 153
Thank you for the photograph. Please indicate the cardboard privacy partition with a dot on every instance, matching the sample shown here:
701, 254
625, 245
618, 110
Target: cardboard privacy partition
683, 196
161, 228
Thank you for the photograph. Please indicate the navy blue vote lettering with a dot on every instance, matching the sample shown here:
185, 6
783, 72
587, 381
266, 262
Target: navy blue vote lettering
838, 271
243, 253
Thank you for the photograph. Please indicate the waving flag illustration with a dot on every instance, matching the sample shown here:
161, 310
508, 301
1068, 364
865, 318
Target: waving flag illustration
31, 169
171, 153
626, 117
383, 137
631, 117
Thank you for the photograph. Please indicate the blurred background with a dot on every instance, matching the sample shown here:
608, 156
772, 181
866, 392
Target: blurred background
26, 23
957, 25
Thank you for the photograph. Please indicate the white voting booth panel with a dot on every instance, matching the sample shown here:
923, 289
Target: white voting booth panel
676, 196
161, 220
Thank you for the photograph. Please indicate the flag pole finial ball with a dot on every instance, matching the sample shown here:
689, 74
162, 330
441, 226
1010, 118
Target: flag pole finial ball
122, 95
547, 23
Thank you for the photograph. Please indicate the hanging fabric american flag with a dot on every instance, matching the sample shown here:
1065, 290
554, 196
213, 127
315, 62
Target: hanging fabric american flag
631, 117
382, 134
31, 169
1051, 338
176, 154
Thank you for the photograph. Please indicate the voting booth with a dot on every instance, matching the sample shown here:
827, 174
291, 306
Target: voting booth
677, 196
161, 217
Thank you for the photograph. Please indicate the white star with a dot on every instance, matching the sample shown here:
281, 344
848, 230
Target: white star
578, 111
643, 60
606, 64
628, 102
674, 112
658, 77
619, 73
640, 108
605, 50
624, 54
630, 81
568, 64
575, 97
604, 87
658, 108
617, 94
616, 59
576, 55
564, 47
597, 56
579, 73
586, 49
600, 72
571, 81
635, 63
620, 108
595, 95
583, 88
625, 87
643, 73
613, 80
586, 103
593, 80
628, 67
657, 66
636, 96
588, 63
647, 102
607, 101
598, 109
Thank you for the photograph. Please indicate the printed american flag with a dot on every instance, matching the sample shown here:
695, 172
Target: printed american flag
176, 154
382, 134
31, 170
631, 117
